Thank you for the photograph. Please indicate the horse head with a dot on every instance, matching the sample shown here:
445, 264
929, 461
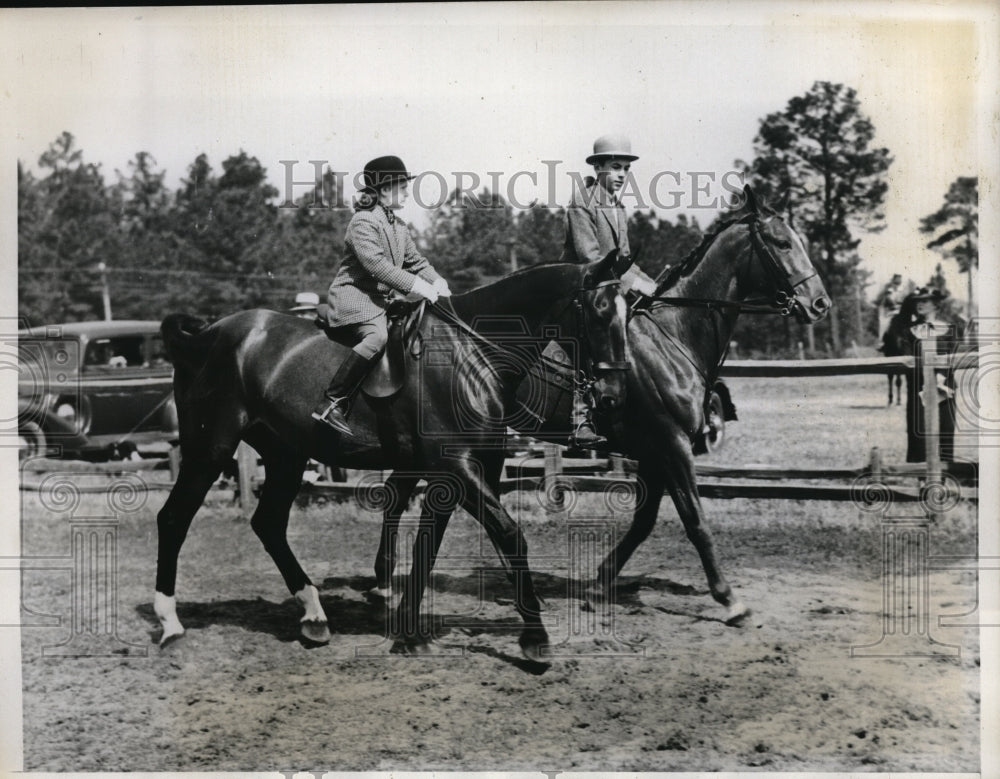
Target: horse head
602, 326
788, 276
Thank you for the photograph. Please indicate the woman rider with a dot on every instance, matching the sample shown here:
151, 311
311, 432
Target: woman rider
380, 259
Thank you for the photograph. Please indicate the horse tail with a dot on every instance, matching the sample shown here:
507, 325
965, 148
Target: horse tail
181, 339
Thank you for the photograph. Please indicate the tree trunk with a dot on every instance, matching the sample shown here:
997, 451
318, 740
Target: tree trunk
835, 329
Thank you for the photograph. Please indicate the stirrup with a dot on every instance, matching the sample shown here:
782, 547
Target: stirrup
585, 437
332, 416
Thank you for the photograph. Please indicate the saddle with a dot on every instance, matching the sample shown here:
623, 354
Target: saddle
386, 378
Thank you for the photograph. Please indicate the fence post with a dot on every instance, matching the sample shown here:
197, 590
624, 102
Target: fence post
875, 465
932, 436
553, 475
246, 463
616, 466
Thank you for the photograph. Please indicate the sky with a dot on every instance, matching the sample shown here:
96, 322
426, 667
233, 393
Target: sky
503, 89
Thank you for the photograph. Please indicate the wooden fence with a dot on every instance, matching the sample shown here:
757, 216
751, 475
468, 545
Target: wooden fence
553, 472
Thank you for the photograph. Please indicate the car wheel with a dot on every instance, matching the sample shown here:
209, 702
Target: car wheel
716, 424
33, 442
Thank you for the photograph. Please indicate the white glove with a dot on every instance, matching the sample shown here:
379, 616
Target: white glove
442, 287
425, 290
644, 287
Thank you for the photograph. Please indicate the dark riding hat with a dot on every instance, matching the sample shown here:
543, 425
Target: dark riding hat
384, 170
611, 146
928, 293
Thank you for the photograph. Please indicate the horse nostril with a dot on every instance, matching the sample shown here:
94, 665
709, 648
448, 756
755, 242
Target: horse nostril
821, 304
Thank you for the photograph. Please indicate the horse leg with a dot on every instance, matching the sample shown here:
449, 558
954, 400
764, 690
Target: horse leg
481, 499
270, 523
889, 377
899, 387
194, 480
400, 490
409, 637
684, 490
649, 493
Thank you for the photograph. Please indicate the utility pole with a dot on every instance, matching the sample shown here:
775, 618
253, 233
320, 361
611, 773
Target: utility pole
858, 329
512, 253
105, 292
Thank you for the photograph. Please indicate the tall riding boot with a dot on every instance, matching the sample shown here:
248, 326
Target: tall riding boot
585, 435
337, 398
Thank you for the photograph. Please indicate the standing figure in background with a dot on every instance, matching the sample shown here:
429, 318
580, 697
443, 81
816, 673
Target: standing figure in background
598, 225
305, 305
919, 317
887, 303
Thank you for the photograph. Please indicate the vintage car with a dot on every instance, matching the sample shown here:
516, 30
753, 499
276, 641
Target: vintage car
718, 410
93, 389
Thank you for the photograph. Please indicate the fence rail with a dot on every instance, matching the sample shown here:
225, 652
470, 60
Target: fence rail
532, 473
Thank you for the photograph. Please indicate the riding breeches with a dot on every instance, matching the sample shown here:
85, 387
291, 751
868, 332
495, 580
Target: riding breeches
372, 336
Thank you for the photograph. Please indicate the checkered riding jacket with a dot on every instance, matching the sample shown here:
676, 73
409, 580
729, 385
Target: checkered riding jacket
597, 224
378, 258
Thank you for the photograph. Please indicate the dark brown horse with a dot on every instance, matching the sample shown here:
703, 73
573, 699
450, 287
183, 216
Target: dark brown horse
255, 376
753, 261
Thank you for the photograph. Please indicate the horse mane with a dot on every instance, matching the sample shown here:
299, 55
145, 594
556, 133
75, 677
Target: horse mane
672, 274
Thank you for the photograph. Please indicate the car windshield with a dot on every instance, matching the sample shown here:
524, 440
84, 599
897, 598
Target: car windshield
119, 352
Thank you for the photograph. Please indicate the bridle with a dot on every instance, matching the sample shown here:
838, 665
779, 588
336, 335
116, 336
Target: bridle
787, 283
581, 327
782, 303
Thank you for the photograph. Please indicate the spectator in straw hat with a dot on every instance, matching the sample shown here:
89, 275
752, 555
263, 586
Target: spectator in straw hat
597, 225
305, 305
923, 317
380, 259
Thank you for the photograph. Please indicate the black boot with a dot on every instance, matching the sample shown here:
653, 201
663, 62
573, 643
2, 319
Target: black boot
585, 435
337, 398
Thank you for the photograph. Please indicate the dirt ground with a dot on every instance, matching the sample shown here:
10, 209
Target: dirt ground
653, 682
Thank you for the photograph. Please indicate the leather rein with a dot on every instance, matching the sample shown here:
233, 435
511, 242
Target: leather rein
448, 315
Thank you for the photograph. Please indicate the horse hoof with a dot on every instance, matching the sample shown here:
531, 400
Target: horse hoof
535, 646
316, 631
595, 592
171, 635
411, 647
738, 615
378, 595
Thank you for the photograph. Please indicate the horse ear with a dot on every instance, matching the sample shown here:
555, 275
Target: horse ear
751, 199
782, 205
602, 270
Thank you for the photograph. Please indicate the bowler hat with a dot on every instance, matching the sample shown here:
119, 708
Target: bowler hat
384, 170
611, 146
928, 293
